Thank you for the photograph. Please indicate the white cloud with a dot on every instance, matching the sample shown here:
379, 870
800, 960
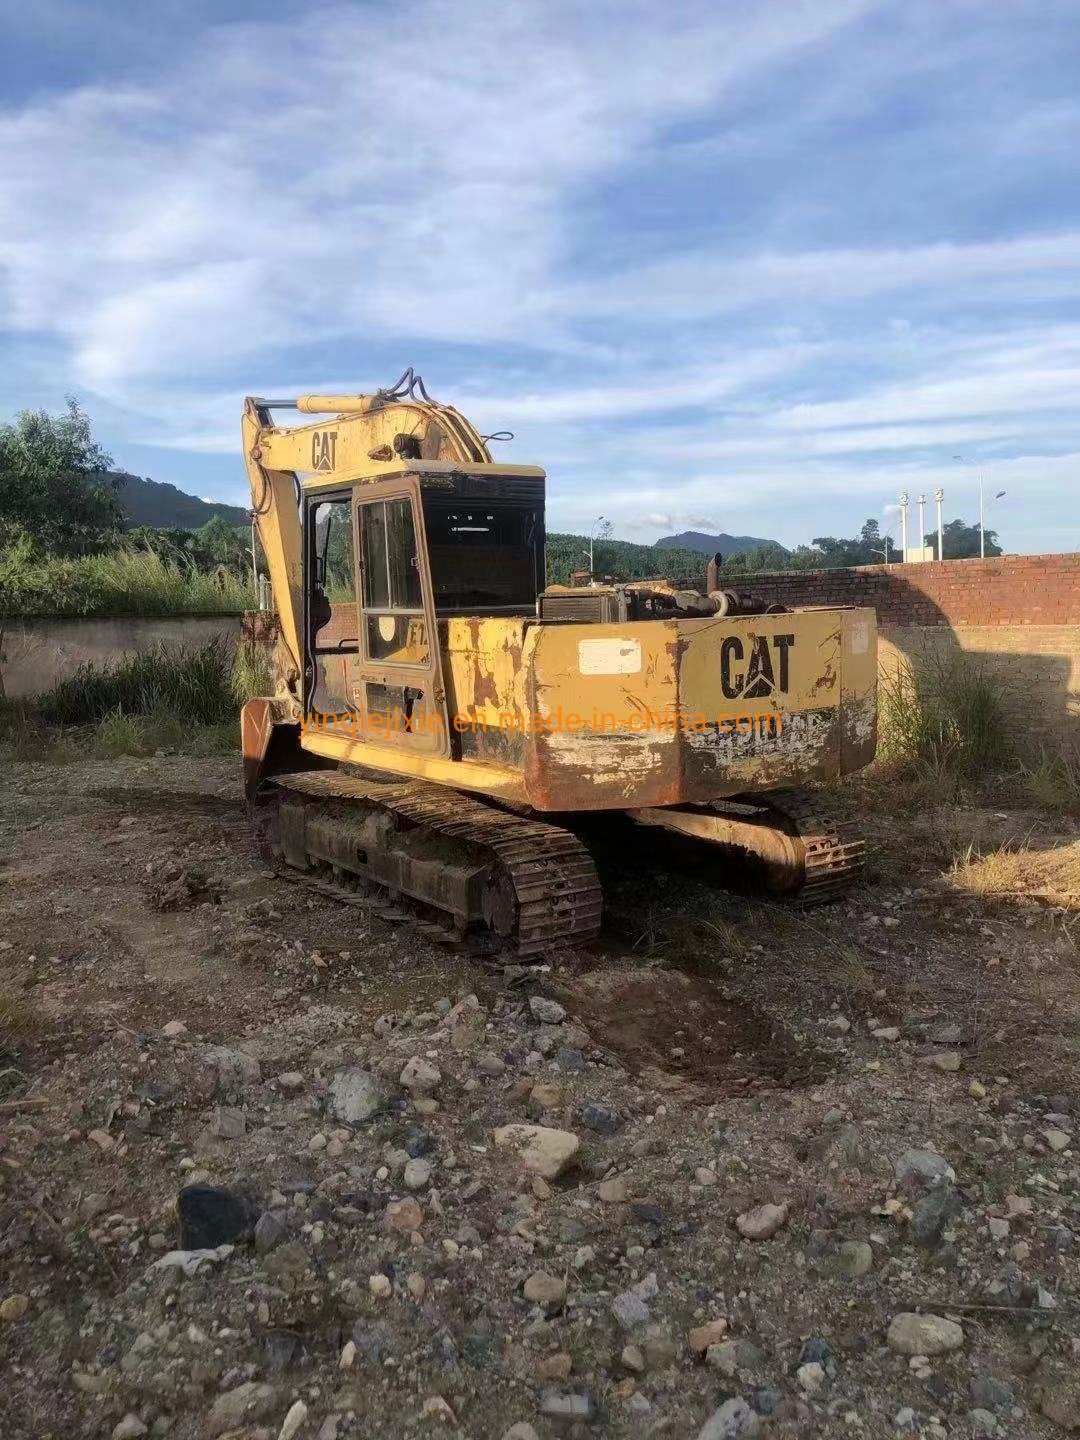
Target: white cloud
703, 283
486, 190
282, 184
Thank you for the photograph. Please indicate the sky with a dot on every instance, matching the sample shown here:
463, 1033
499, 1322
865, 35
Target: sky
718, 266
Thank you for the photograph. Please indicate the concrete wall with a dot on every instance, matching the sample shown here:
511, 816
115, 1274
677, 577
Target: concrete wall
35, 654
1019, 614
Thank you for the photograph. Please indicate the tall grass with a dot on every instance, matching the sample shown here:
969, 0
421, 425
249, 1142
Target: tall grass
1053, 781
192, 685
945, 718
252, 672
123, 582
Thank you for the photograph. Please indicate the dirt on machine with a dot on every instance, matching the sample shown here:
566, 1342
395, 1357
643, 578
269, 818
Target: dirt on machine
448, 732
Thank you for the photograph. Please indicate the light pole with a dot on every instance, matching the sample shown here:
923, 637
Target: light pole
903, 525
598, 526
922, 526
939, 496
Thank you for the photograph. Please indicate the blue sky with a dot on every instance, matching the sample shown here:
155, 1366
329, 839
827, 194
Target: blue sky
745, 267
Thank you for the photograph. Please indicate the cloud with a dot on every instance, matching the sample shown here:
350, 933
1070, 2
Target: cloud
701, 283
714, 265
240, 201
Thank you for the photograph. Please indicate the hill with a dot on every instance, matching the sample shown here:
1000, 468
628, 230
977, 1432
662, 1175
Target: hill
156, 503
710, 544
620, 558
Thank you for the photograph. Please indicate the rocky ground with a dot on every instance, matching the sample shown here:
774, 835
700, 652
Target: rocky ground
273, 1167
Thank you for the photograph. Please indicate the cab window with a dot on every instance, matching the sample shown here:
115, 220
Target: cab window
395, 630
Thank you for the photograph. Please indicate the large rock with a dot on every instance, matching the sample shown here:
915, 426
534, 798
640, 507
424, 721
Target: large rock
542, 1150
355, 1096
732, 1421
762, 1222
211, 1216
234, 1069
547, 1012
419, 1076
932, 1212
239, 1406
911, 1334
923, 1170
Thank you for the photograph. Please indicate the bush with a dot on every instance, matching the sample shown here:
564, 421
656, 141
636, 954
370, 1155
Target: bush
191, 686
122, 582
945, 716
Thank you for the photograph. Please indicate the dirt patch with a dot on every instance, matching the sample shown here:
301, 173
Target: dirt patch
678, 1031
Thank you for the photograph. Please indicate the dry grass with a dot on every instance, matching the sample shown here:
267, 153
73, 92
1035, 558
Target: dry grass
18, 1018
1051, 877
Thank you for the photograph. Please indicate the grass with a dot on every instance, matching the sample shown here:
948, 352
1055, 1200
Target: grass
1050, 876
1053, 781
252, 672
192, 685
168, 698
122, 582
943, 724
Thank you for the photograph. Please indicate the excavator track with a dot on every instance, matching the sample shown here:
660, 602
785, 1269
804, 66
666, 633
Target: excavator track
802, 853
476, 873
833, 854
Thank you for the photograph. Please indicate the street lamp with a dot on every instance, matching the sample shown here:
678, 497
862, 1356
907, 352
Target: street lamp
982, 531
982, 528
903, 525
599, 525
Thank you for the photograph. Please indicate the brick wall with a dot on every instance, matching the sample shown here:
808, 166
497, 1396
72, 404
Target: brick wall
1019, 614
1009, 590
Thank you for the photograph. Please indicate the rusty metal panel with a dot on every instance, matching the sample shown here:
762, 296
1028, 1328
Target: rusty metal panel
667, 712
594, 691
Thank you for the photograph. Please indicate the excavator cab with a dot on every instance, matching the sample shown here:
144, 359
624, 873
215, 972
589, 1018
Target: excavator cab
388, 563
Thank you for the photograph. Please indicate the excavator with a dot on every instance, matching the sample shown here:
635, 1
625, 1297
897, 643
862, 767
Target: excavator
446, 728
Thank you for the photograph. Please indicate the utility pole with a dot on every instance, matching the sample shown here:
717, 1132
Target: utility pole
922, 525
903, 525
939, 496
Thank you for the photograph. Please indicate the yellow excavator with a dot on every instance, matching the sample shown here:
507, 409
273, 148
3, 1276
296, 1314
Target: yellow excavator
446, 726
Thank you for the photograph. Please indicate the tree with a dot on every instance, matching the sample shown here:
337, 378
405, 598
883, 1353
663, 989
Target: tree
961, 542
55, 491
221, 543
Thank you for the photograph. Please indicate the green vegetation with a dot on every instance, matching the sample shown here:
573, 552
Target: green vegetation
64, 550
620, 559
625, 561
55, 490
169, 698
122, 582
961, 542
1053, 781
252, 672
943, 720
194, 685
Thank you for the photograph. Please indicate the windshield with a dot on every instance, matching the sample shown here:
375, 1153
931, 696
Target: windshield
483, 556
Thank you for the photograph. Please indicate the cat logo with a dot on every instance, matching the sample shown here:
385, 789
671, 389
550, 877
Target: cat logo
323, 449
759, 679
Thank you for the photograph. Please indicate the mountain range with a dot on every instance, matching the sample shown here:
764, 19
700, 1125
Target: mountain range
709, 544
163, 506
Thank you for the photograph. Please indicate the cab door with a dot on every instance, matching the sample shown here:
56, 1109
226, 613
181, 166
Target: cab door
398, 691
